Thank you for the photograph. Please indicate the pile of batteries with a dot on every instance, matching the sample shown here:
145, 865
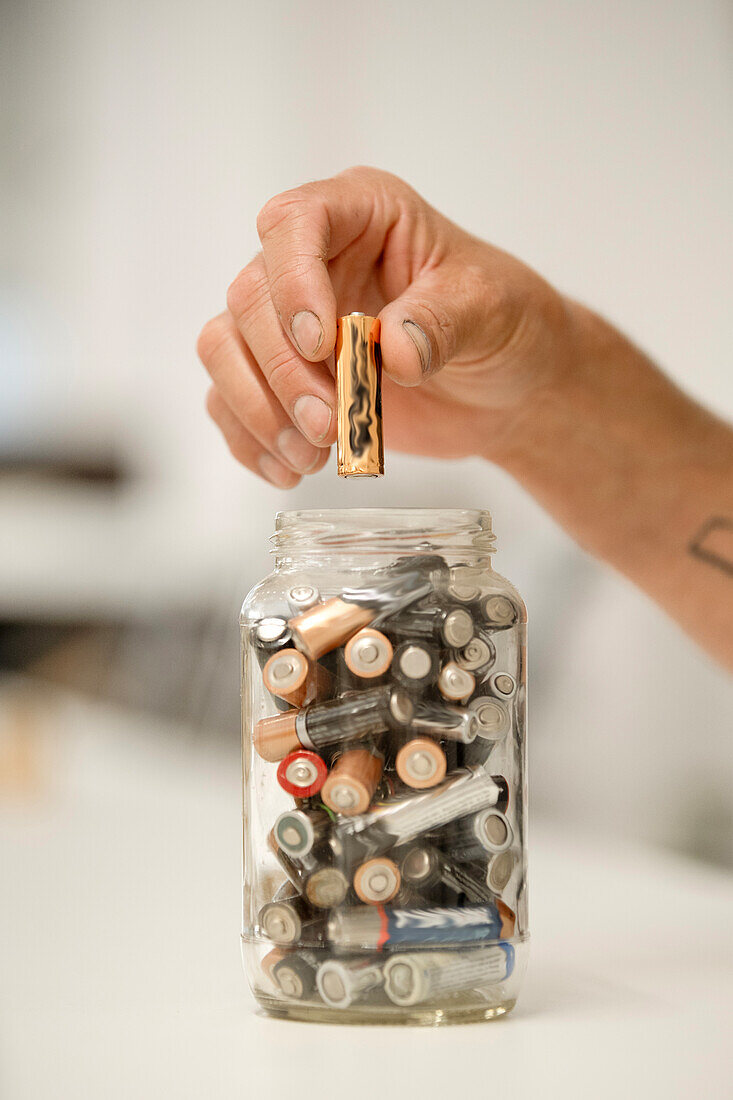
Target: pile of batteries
399, 850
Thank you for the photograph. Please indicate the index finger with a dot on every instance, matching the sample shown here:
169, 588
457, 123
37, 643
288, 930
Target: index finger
301, 230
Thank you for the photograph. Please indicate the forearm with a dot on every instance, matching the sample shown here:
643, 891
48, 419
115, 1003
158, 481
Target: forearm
638, 473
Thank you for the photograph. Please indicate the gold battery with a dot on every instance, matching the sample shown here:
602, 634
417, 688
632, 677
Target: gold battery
359, 385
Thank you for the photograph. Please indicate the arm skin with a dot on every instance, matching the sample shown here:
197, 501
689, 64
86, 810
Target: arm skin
481, 357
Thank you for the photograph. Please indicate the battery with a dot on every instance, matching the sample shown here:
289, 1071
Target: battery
352, 781
297, 870
421, 763
424, 867
391, 593
328, 625
288, 920
479, 835
375, 927
354, 715
342, 982
289, 675
453, 627
270, 635
377, 880
498, 611
447, 723
415, 666
456, 684
410, 979
302, 597
295, 975
298, 832
502, 684
500, 870
272, 957
368, 654
462, 585
492, 716
477, 656
326, 887
394, 823
302, 773
359, 392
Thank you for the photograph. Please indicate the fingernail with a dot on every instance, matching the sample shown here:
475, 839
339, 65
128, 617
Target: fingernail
297, 451
307, 332
421, 342
275, 472
313, 417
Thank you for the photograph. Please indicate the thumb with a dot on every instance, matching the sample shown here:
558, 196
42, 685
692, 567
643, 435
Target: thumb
435, 320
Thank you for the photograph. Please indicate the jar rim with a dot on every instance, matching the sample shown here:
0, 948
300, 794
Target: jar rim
383, 528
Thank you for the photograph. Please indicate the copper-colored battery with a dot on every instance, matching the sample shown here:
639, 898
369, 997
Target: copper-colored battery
368, 654
328, 625
377, 881
289, 675
359, 384
275, 737
352, 781
421, 763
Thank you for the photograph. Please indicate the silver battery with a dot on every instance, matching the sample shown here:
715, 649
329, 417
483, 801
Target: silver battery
456, 684
298, 831
447, 723
287, 919
499, 612
502, 684
354, 715
341, 983
302, 597
462, 585
412, 978
477, 656
295, 975
481, 834
492, 716
424, 866
500, 870
391, 594
326, 887
398, 822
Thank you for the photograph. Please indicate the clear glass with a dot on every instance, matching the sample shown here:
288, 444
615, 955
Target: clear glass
383, 749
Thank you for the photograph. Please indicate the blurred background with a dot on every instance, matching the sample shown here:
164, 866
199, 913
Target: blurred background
139, 141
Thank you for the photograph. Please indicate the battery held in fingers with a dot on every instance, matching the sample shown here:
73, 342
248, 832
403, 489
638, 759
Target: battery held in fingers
359, 407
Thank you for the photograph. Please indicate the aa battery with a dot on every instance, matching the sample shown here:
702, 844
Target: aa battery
500, 870
326, 887
368, 654
492, 717
391, 593
447, 723
270, 635
456, 684
302, 773
425, 867
302, 597
355, 715
328, 625
271, 958
359, 389
477, 836
342, 982
415, 666
290, 676
410, 979
399, 822
499, 612
298, 832
502, 685
452, 627
352, 781
376, 927
295, 975
421, 763
289, 920
462, 585
477, 656
377, 881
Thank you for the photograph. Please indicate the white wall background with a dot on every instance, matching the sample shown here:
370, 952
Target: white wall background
139, 142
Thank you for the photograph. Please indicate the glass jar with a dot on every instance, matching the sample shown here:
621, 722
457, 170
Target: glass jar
383, 745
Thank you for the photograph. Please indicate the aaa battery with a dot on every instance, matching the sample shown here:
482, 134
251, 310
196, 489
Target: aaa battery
341, 982
413, 978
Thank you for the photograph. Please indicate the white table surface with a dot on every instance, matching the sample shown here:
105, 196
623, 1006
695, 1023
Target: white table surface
120, 973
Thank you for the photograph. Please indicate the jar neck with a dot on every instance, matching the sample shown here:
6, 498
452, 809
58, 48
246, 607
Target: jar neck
359, 535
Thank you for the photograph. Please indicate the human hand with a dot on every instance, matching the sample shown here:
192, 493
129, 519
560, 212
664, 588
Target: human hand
468, 333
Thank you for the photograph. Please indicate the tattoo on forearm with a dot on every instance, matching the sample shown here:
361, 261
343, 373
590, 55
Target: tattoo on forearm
713, 544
